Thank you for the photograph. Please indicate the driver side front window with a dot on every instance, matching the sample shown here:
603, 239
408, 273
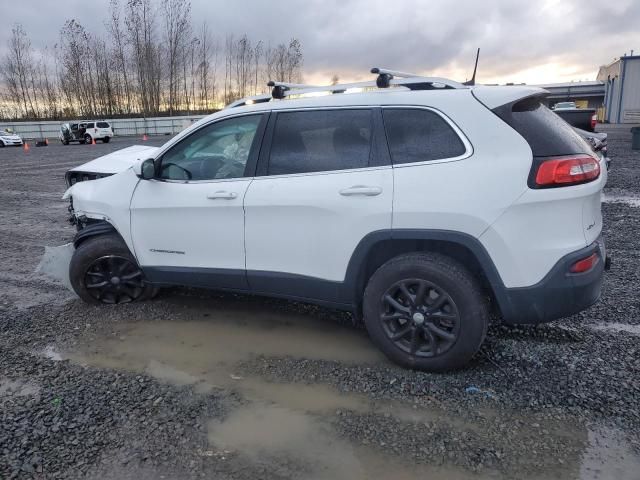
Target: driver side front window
217, 151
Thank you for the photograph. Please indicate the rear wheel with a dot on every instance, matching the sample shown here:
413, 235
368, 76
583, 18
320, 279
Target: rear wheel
106, 140
425, 311
102, 270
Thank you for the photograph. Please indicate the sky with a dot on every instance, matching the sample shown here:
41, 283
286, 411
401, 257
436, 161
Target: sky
534, 41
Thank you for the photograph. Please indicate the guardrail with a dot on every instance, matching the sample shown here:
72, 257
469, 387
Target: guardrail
121, 126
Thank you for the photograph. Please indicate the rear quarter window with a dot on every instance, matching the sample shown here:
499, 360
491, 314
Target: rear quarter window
417, 135
546, 133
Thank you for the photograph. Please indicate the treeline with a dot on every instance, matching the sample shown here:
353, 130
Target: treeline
152, 60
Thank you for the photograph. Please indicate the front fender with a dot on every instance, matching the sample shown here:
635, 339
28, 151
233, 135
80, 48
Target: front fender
106, 200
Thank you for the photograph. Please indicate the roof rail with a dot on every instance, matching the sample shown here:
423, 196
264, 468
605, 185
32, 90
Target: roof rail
386, 78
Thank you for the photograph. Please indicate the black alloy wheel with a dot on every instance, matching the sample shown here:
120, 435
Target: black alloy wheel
425, 311
114, 279
419, 317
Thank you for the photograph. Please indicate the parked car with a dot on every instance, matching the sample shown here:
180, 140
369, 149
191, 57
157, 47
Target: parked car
598, 142
86, 131
582, 118
9, 138
418, 208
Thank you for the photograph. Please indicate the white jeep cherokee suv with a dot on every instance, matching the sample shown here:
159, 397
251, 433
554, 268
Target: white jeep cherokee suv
416, 205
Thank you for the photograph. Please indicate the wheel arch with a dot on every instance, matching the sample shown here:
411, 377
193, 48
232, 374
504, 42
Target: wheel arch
95, 229
379, 247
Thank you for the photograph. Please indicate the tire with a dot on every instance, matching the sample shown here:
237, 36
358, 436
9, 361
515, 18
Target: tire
2, 145
87, 139
102, 270
106, 140
440, 331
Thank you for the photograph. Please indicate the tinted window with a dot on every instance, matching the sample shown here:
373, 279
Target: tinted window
320, 140
416, 135
103, 125
219, 150
546, 133
90, 125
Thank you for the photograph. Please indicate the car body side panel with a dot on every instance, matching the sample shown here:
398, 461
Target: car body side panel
469, 194
541, 227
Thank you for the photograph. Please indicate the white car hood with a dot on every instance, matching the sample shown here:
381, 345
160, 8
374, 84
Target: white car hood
117, 161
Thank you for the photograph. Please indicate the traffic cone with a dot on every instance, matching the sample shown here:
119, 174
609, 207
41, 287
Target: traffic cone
25, 147
145, 138
46, 142
93, 141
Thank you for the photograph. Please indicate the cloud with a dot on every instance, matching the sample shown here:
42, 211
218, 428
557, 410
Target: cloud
561, 39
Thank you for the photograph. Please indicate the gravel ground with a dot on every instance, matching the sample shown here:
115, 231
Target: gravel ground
135, 391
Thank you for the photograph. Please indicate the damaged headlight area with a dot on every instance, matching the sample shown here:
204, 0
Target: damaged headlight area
73, 176
80, 221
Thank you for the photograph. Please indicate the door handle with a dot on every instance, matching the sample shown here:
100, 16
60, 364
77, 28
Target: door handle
221, 194
361, 190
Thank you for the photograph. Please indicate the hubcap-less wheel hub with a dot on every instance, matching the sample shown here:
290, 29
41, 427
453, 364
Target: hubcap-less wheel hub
114, 279
420, 317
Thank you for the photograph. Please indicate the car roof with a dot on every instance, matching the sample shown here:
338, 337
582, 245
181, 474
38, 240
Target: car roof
491, 96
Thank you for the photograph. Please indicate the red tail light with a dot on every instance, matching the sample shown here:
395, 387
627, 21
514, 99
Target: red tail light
594, 121
565, 171
585, 264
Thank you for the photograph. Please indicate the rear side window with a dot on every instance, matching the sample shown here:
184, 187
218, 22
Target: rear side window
546, 133
103, 125
320, 140
416, 135
90, 125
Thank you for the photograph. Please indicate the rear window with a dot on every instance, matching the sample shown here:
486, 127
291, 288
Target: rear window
320, 140
417, 135
547, 134
103, 125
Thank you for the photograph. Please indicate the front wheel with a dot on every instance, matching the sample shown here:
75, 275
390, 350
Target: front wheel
88, 139
425, 311
2, 144
102, 270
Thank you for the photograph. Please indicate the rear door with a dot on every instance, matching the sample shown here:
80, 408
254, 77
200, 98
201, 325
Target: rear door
323, 184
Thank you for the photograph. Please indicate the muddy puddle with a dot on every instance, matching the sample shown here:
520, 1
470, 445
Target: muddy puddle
294, 427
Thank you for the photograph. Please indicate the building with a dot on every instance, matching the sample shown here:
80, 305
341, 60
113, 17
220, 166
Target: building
584, 94
622, 90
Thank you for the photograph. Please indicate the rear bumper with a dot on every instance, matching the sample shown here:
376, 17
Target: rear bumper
560, 293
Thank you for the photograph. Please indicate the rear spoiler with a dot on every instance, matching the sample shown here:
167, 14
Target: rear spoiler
496, 96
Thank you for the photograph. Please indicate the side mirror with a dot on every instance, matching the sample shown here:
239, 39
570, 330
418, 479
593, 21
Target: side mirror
146, 170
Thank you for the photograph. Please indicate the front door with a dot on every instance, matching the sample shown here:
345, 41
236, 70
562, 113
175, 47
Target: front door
188, 224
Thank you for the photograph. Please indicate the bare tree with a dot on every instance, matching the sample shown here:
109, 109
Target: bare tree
150, 61
123, 84
18, 73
